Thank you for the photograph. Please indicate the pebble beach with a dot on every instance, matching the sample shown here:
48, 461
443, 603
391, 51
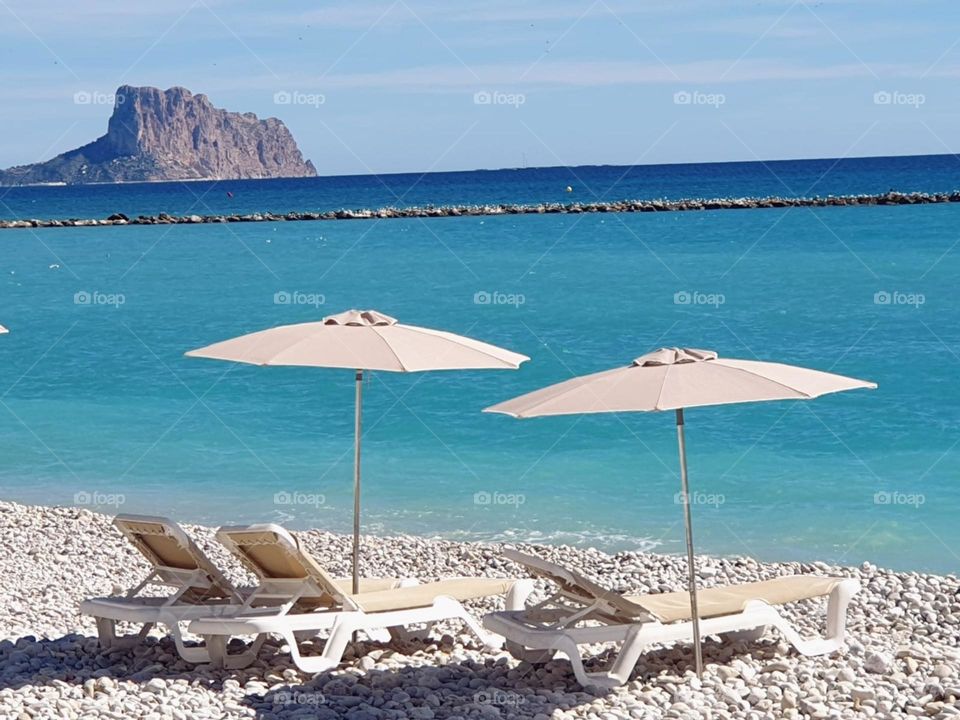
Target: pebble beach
902, 657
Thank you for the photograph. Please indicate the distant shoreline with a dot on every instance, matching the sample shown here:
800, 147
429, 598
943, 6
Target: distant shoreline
431, 211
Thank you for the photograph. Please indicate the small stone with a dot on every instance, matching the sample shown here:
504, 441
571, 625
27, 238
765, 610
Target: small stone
156, 685
878, 663
776, 667
725, 672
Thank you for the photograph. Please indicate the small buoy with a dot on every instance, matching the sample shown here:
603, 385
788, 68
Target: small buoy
569, 189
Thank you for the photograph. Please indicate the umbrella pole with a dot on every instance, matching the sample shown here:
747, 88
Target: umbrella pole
691, 567
356, 482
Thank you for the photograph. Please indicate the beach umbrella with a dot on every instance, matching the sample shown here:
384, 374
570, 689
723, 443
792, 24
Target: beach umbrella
361, 340
675, 379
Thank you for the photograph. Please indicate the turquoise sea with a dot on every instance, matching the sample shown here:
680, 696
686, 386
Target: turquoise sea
99, 407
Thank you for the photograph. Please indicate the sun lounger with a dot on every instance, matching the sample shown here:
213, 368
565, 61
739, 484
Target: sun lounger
200, 589
286, 570
582, 612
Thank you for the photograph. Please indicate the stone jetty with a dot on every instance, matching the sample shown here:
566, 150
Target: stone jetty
431, 211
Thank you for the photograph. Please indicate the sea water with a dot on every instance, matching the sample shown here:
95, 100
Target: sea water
99, 407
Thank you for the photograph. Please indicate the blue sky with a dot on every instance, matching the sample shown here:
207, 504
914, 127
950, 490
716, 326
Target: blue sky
414, 86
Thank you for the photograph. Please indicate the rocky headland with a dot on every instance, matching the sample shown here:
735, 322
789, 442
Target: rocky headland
157, 135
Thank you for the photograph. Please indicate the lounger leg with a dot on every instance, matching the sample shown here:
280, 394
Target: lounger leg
837, 609
193, 655
492, 642
630, 651
836, 624
569, 648
340, 634
333, 651
106, 632
108, 638
216, 648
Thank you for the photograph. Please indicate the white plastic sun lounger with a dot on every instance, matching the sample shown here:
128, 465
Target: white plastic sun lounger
176, 562
581, 612
200, 589
286, 570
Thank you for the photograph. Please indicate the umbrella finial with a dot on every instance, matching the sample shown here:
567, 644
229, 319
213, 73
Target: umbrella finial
674, 356
361, 318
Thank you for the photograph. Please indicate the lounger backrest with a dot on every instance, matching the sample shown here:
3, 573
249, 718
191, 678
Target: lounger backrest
165, 545
575, 586
272, 553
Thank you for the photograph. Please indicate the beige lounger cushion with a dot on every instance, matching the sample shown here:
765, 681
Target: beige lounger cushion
272, 552
163, 548
714, 602
268, 557
417, 596
157, 539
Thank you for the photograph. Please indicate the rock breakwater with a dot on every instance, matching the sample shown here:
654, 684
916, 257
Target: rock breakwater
431, 211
